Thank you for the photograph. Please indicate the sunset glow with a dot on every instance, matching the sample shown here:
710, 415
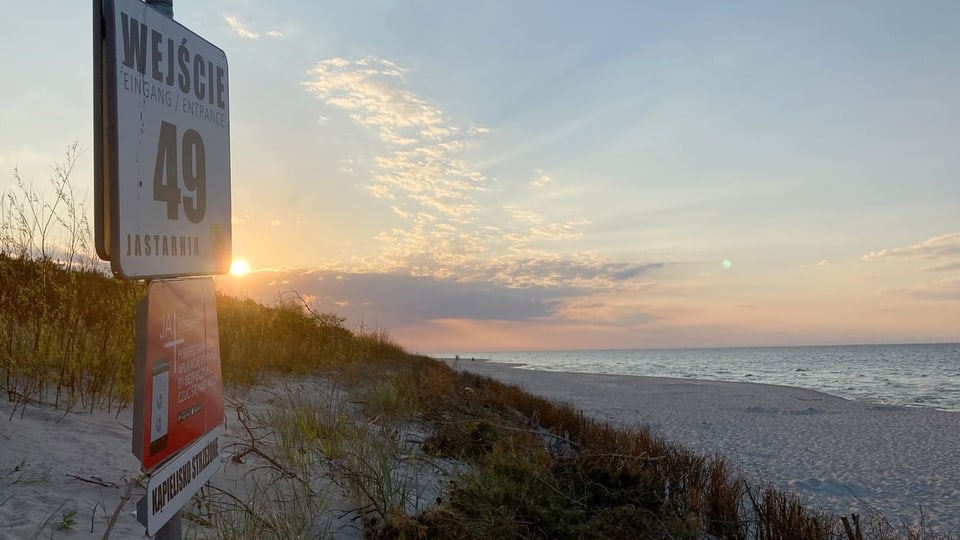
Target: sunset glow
239, 267
591, 175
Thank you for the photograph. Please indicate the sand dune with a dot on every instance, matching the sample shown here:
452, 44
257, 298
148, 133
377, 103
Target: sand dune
54, 465
844, 456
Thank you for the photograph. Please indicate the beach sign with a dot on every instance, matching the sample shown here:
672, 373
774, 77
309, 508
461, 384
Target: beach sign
162, 146
178, 394
173, 483
178, 391
162, 210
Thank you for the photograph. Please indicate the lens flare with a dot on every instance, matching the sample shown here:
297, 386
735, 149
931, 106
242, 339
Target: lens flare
727, 264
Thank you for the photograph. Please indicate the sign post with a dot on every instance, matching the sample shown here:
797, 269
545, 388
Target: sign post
164, 147
162, 210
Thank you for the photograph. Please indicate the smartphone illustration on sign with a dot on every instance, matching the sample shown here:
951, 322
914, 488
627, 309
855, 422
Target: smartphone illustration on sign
160, 405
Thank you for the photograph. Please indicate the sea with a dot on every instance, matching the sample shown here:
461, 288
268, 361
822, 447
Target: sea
914, 375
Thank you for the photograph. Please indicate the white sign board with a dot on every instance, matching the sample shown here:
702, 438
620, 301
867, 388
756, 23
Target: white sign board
173, 483
167, 147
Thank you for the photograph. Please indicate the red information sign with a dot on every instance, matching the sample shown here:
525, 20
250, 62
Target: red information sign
178, 393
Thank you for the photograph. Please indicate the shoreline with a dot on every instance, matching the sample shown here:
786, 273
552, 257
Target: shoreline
840, 454
455, 363
850, 396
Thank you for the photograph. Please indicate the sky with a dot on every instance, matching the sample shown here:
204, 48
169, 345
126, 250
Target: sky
476, 176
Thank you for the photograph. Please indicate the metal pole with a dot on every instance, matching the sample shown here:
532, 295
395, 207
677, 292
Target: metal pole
173, 529
163, 6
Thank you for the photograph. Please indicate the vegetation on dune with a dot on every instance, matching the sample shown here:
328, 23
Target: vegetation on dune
420, 449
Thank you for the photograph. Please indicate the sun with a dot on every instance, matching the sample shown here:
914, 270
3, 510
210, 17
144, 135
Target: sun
239, 267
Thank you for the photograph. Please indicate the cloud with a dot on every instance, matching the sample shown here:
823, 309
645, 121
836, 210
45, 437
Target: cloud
541, 179
554, 231
943, 289
371, 90
448, 229
245, 31
948, 267
394, 300
605, 309
943, 255
943, 247
422, 163
584, 272
525, 216
631, 271
240, 28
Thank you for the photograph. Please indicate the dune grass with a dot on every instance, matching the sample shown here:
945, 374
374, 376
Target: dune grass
420, 449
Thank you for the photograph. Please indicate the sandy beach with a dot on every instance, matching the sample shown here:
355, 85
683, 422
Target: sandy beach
844, 456
68, 470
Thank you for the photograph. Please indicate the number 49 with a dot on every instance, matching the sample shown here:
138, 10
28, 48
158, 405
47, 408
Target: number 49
192, 162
